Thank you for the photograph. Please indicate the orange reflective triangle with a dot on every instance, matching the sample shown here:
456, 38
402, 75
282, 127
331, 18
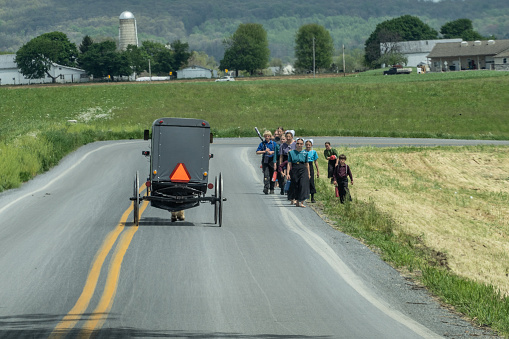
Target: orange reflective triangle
180, 173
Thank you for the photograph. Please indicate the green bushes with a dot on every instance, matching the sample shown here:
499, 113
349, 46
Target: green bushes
37, 152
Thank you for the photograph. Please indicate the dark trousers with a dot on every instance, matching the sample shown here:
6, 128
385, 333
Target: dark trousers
268, 172
280, 177
312, 189
330, 169
344, 192
281, 180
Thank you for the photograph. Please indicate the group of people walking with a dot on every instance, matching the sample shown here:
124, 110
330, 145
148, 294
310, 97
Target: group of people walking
289, 163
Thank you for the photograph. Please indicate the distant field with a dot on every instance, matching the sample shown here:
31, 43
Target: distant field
35, 134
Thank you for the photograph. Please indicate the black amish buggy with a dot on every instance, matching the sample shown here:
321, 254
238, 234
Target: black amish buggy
179, 168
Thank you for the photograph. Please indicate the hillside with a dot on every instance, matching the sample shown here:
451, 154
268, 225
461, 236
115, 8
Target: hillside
204, 24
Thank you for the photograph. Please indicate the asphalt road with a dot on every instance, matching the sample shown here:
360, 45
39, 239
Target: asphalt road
73, 265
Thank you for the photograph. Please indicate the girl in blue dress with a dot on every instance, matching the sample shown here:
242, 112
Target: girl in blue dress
312, 158
298, 171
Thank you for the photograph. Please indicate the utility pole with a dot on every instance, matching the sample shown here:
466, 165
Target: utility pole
344, 63
149, 71
313, 57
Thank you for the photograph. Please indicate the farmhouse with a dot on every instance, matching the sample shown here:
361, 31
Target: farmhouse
465, 55
415, 51
193, 72
10, 74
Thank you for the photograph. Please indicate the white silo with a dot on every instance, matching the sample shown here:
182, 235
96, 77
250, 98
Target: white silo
127, 31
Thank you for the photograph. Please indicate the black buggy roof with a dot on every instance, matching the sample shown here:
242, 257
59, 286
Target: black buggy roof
180, 145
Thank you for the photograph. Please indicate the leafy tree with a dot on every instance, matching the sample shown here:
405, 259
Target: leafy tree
37, 56
471, 35
461, 28
137, 58
161, 58
164, 62
83, 48
166, 58
152, 48
159, 55
247, 49
324, 48
403, 28
393, 58
203, 60
85, 44
103, 59
181, 54
354, 61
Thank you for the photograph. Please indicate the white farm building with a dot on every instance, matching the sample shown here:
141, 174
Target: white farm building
416, 51
10, 74
195, 72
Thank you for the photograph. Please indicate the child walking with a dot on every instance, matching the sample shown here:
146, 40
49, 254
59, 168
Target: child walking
330, 155
267, 148
312, 158
298, 173
341, 174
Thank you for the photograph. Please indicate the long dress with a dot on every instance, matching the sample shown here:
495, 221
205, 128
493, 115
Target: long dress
312, 157
299, 186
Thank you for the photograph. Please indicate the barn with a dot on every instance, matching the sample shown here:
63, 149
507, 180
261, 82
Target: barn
415, 51
469, 55
194, 72
10, 74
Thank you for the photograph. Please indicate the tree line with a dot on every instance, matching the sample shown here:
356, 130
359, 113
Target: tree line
204, 24
247, 49
99, 59
411, 28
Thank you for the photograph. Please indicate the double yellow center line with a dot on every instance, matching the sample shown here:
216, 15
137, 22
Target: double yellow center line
100, 313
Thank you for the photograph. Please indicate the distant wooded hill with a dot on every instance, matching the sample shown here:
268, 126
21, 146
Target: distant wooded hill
204, 23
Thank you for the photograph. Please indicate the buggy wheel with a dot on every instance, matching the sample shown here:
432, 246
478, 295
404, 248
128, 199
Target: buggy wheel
220, 189
216, 206
136, 201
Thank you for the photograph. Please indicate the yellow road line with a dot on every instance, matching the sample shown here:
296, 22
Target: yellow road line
75, 314
100, 314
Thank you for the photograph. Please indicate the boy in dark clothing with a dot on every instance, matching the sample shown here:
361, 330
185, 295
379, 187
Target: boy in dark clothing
267, 149
341, 174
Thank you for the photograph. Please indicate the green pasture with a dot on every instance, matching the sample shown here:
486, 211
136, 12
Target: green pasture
35, 133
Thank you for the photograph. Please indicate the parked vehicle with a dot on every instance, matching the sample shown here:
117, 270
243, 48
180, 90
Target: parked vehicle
226, 78
397, 70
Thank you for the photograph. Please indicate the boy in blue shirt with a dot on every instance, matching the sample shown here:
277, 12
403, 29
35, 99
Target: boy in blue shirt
267, 148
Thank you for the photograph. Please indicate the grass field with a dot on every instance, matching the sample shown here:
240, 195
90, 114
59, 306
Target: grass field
437, 213
35, 134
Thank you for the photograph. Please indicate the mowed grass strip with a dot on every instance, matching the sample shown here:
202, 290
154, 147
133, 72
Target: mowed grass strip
440, 213
469, 108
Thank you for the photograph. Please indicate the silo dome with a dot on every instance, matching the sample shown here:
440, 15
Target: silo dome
126, 15
127, 31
